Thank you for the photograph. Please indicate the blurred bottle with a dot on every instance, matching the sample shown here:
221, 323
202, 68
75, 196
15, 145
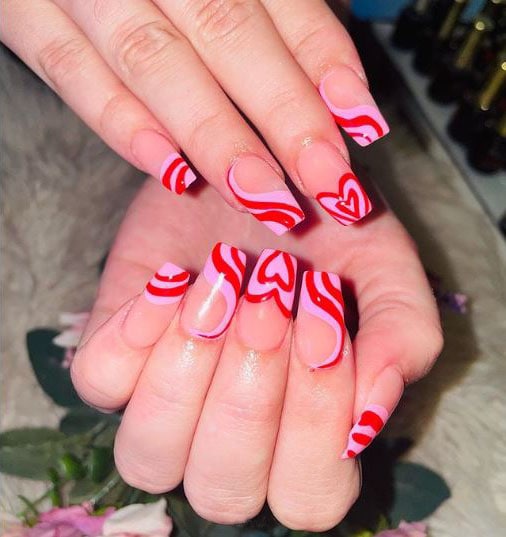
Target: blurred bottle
436, 39
481, 108
487, 153
455, 75
410, 24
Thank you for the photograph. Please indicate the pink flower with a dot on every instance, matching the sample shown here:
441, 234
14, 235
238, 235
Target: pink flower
139, 520
74, 521
406, 529
69, 338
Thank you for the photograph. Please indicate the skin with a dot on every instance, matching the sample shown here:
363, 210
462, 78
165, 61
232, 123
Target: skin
176, 70
214, 412
233, 437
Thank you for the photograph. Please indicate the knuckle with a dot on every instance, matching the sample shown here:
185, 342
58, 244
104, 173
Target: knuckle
309, 39
223, 20
116, 112
286, 102
248, 415
202, 128
61, 59
142, 50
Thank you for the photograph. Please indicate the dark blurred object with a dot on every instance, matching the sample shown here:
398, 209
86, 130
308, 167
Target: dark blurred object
411, 22
502, 224
435, 40
457, 74
487, 153
481, 108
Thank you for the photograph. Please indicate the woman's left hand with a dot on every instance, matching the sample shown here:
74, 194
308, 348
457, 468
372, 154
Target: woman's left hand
215, 410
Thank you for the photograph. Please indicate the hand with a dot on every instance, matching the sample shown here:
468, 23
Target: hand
214, 409
156, 77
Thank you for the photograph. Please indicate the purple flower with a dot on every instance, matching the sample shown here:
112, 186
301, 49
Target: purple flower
406, 529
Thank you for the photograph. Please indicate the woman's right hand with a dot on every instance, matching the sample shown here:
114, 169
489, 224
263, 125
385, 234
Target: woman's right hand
265, 409
157, 77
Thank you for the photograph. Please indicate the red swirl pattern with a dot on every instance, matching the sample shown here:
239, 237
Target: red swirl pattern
356, 123
322, 302
370, 423
282, 279
349, 204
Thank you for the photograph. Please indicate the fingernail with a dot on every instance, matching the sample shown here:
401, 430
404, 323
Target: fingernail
320, 329
370, 423
153, 310
382, 399
352, 106
328, 177
159, 158
212, 301
264, 194
264, 315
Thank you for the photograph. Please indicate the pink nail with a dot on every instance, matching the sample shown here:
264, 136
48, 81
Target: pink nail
153, 310
167, 286
352, 106
263, 317
259, 188
371, 421
320, 331
159, 158
328, 177
213, 299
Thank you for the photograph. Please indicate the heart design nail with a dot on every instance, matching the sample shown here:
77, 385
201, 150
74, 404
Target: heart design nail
349, 204
273, 277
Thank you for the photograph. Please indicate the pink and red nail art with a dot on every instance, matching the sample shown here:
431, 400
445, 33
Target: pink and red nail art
349, 203
321, 296
278, 210
175, 174
224, 271
371, 421
363, 123
273, 277
167, 286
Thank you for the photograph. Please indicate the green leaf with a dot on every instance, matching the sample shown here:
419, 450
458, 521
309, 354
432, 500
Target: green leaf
31, 452
418, 492
46, 359
83, 419
83, 490
29, 435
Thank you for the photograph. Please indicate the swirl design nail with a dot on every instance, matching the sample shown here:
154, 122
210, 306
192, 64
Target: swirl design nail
278, 210
371, 421
167, 286
351, 202
273, 277
175, 174
364, 123
224, 271
321, 296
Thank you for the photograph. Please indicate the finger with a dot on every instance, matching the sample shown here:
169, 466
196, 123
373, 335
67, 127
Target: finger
325, 51
310, 488
273, 92
158, 64
157, 428
57, 51
227, 472
398, 340
106, 366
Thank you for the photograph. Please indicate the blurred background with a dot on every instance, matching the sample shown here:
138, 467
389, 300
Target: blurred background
438, 71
